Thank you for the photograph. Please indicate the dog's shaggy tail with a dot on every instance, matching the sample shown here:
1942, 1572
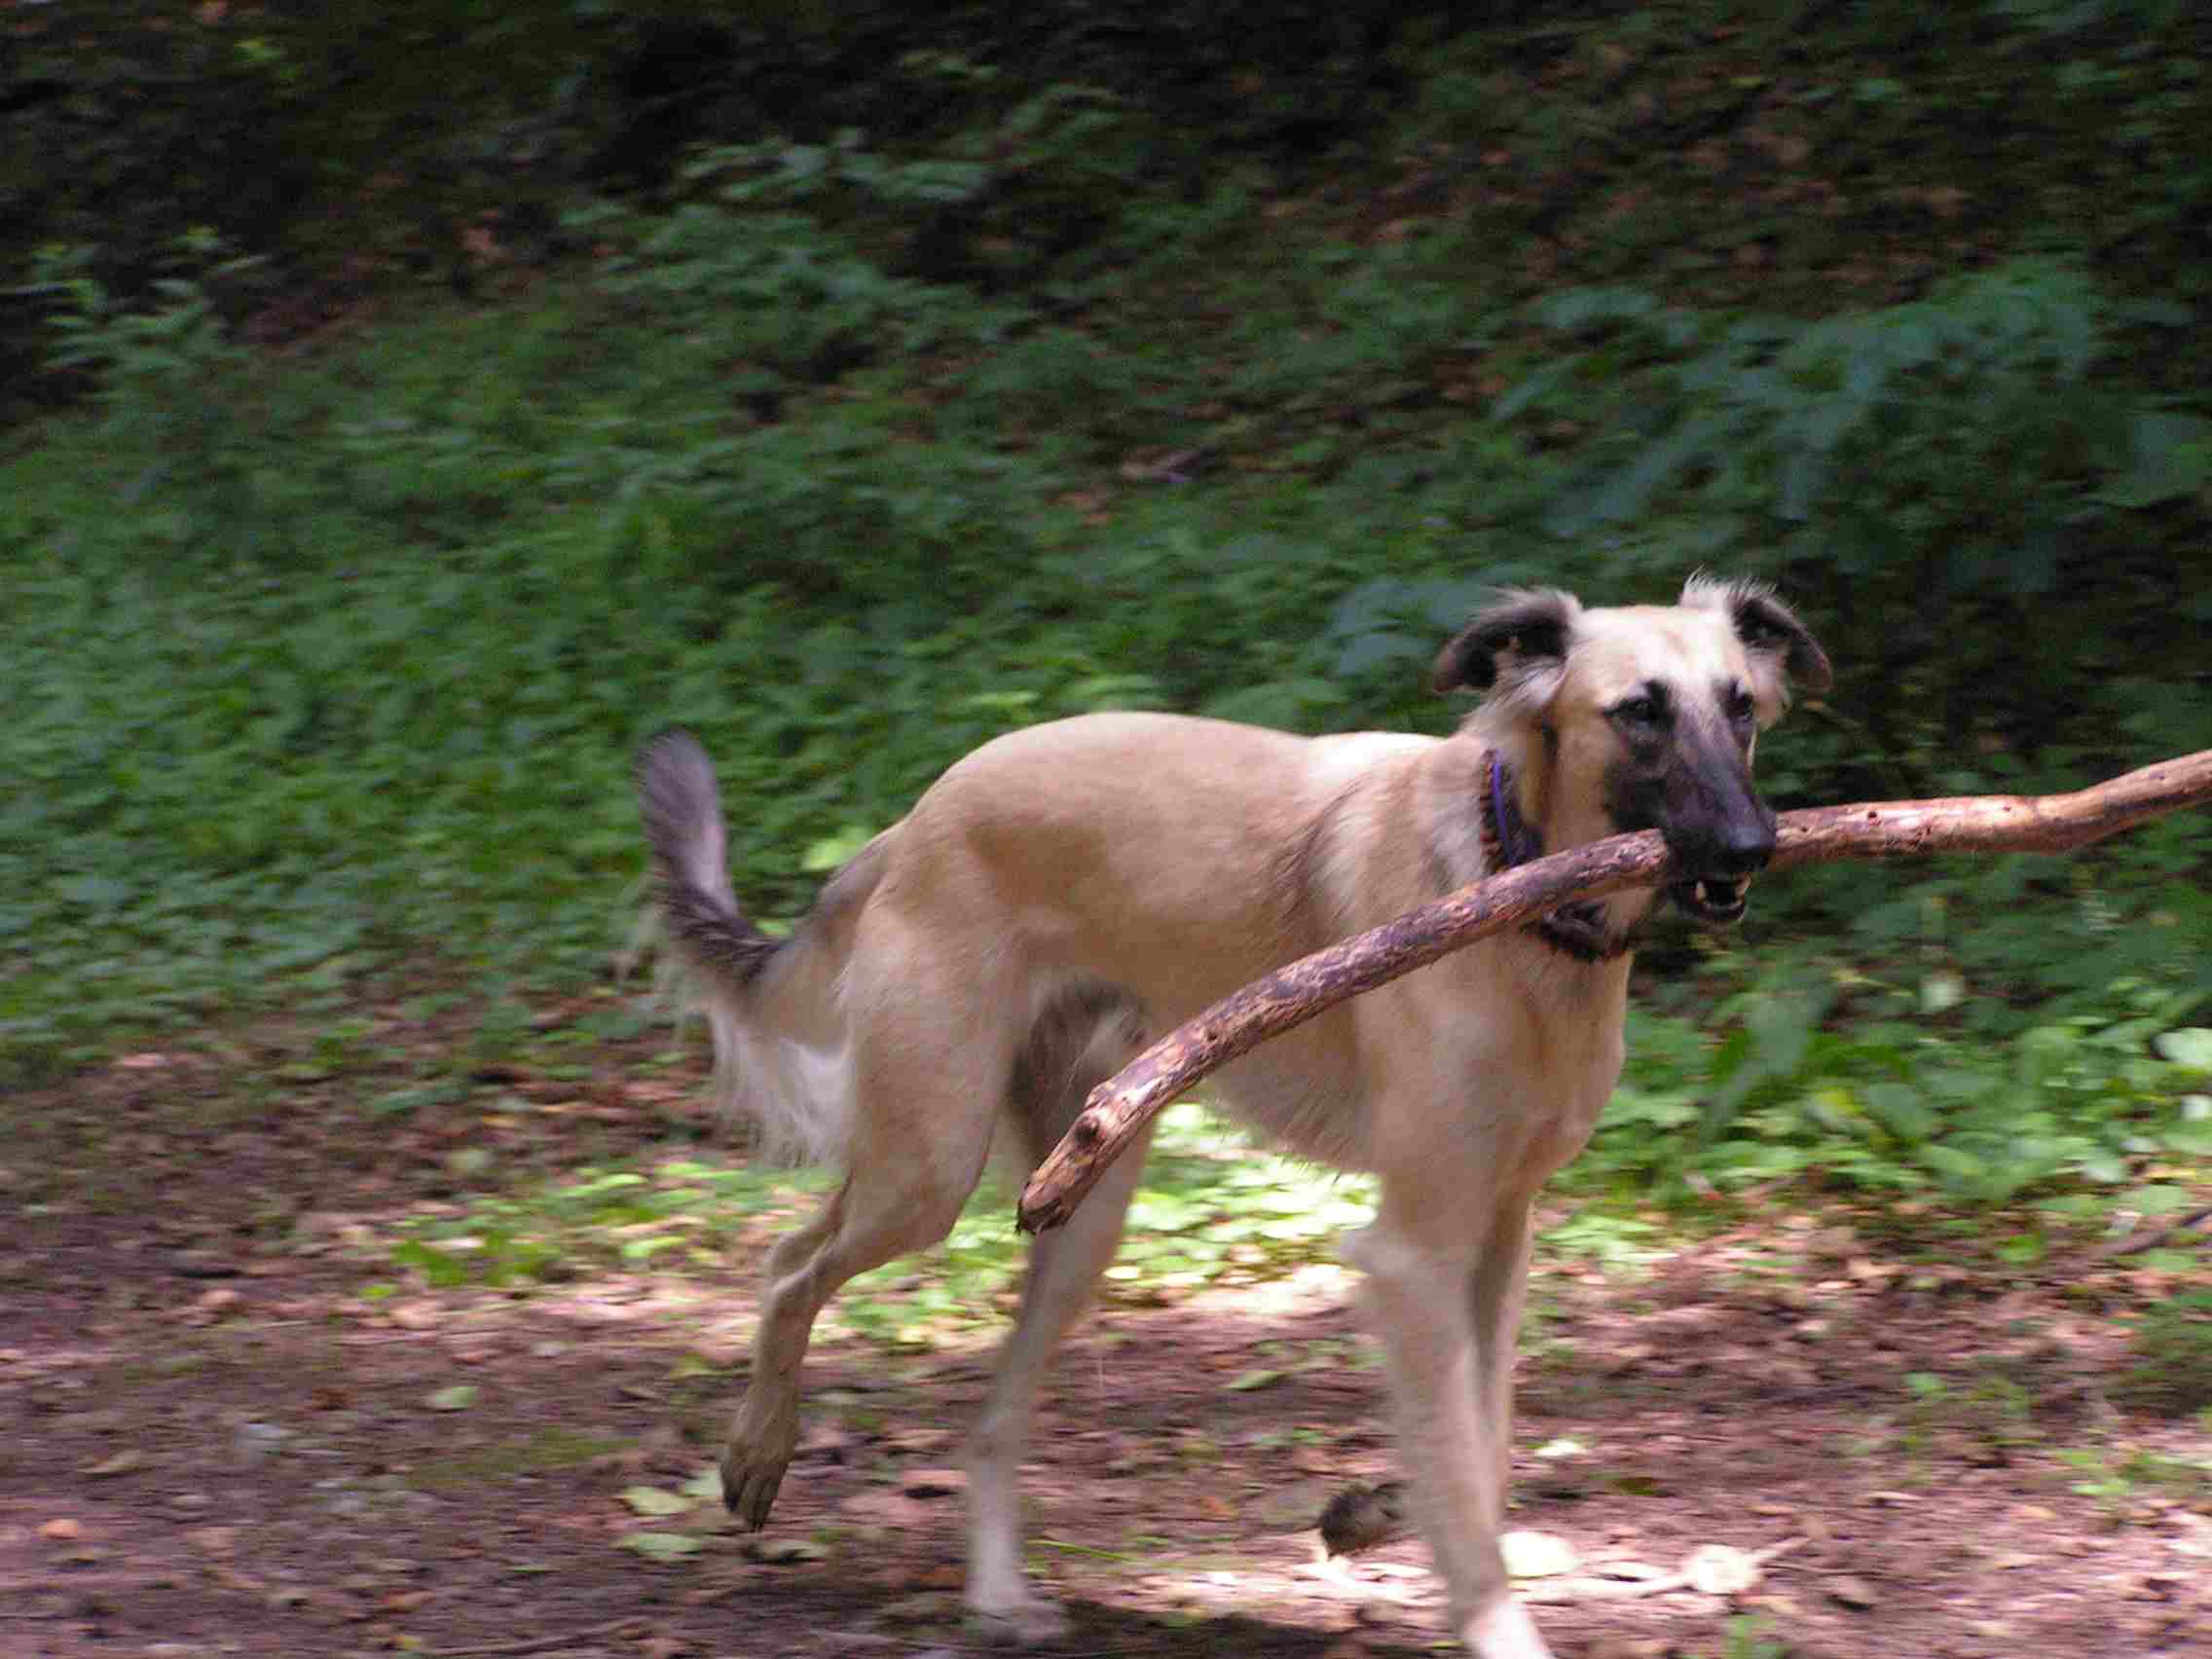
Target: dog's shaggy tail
699, 913
774, 1007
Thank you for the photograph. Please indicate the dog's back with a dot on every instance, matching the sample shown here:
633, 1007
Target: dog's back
1147, 862
1145, 849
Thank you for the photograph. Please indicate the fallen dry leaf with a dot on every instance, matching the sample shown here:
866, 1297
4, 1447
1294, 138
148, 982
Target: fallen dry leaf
933, 1483
1716, 1569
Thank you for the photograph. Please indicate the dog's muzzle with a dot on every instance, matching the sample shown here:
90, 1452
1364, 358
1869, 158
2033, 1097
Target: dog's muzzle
1726, 863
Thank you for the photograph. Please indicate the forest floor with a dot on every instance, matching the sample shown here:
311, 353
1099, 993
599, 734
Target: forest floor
234, 1427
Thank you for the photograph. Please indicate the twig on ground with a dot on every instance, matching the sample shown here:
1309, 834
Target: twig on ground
1586, 1588
2149, 1238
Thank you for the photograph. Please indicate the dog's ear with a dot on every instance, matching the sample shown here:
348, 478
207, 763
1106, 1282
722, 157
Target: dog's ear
1521, 636
1769, 629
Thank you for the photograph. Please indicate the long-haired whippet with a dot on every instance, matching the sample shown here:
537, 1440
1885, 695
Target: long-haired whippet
1067, 889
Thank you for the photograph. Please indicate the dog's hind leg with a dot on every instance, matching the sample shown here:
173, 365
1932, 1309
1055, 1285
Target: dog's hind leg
1065, 1265
902, 1192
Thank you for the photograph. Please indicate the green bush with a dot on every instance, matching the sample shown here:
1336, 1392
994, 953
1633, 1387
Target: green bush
1929, 477
1039, 395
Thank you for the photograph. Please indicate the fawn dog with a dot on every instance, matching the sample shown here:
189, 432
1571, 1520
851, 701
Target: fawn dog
1069, 888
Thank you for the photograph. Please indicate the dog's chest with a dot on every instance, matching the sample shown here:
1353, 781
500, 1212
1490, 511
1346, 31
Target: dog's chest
1470, 1073
1537, 1053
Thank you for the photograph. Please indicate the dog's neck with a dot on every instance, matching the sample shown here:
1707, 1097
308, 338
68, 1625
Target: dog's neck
1579, 928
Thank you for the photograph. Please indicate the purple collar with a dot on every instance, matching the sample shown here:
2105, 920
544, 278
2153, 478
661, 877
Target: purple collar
1576, 929
1517, 842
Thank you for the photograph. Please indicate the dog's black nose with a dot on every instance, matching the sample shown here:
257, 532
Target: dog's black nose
1744, 846
1729, 846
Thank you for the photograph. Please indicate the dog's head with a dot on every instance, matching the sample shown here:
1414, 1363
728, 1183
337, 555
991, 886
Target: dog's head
1643, 718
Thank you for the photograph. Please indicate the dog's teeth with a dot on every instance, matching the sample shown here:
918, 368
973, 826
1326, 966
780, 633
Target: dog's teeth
1702, 896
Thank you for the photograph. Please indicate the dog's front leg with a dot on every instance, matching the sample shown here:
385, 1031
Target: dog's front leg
1065, 1265
1445, 1385
1497, 1288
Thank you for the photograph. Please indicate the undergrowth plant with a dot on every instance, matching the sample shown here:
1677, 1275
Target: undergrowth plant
2066, 1111
1860, 448
326, 667
2172, 1369
1213, 1211
153, 361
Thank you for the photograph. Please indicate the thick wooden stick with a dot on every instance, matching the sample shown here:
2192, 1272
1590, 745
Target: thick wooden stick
1294, 994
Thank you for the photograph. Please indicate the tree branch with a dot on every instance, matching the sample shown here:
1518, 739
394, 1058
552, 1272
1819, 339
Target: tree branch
1293, 994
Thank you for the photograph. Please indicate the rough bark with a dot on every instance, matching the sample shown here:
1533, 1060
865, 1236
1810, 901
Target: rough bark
1294, 994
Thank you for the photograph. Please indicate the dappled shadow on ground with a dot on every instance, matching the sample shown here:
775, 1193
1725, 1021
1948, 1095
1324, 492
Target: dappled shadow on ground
224, 1447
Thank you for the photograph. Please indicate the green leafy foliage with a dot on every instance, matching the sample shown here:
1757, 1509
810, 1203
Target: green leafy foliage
1865, 450
1891, 1104
2173, 1360
854, 447
1213, 1210
150, 363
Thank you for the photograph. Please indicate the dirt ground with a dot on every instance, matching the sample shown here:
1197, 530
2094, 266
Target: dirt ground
217, 1444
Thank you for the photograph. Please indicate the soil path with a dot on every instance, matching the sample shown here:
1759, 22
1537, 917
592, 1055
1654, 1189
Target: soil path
220, 1442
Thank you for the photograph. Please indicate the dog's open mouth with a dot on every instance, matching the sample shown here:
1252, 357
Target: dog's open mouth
1713, 898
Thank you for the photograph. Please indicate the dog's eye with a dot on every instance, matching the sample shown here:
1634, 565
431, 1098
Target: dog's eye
1741, 709
1638, 711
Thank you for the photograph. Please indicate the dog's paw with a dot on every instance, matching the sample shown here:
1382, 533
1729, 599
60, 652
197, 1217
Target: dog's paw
1503, 1631
750, 1485
1020, 1621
